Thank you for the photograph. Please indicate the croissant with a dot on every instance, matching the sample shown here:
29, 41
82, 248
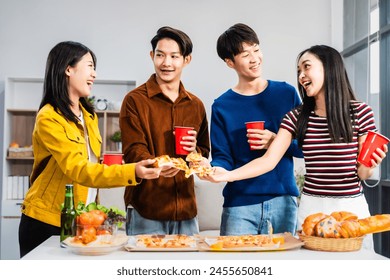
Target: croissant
344, 225
344, 215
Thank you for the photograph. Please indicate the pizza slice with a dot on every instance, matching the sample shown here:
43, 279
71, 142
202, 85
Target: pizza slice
179, 163
196, 167
245, 241
167, 241
194, 157
162, 161
166, 160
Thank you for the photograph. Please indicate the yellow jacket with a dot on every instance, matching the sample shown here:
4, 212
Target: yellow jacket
60, 158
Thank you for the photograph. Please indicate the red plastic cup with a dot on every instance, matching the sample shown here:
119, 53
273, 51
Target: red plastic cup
254, 125
180, 132
373, 141
111, 159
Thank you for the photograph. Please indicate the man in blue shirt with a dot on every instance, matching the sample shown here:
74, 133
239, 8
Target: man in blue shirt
250, 204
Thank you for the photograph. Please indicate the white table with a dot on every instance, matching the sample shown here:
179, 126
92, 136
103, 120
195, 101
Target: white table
51, 250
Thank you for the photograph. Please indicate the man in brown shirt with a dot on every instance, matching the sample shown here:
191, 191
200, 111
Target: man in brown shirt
148, 115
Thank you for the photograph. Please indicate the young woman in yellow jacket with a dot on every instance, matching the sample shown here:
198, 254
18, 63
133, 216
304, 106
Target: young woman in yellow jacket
67, 144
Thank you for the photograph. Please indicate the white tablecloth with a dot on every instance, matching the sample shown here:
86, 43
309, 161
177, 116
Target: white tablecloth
51, 250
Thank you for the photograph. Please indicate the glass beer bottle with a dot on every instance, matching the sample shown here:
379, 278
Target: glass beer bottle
68, 214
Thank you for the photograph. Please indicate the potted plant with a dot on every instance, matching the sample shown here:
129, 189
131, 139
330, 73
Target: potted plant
117, 139
91, 100
300, 180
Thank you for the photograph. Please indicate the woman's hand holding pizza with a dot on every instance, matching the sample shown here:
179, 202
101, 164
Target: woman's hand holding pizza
220, 174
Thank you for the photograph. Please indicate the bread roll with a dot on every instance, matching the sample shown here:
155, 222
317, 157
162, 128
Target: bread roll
310, 222
344, 225
374, 224
327, 228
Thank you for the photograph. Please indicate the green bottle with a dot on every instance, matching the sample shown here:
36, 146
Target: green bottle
68, 214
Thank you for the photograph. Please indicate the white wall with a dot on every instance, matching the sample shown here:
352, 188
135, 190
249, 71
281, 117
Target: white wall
119, 32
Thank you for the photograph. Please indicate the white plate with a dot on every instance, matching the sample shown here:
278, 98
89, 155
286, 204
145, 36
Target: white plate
290, 242
104, 244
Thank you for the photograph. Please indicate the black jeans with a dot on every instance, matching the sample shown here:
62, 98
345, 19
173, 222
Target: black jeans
33, 232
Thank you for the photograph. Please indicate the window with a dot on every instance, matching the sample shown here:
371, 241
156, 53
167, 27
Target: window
367, 57
364, 38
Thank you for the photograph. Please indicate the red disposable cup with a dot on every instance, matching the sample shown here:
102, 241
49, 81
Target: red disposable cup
180, 132
254, 125
373, 141
111, 159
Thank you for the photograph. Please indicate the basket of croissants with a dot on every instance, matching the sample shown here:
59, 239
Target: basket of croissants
340, 231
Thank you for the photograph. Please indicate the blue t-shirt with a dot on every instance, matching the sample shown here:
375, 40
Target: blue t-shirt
230, 148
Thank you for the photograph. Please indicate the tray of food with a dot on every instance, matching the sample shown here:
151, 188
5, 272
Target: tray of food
242, 243
161, 243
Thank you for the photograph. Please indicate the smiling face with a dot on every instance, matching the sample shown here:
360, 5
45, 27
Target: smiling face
247, 63
81, 77
311, 74
168, 61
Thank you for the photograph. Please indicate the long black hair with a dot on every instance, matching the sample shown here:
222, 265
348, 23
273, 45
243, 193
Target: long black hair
55, 86
338, 94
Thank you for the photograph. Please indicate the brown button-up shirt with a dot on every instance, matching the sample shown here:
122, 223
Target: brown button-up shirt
146, 120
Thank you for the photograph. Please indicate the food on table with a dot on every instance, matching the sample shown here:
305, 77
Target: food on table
95, 220
260, 240
166, 241
278, 239
344, 224
85, 235
217, 245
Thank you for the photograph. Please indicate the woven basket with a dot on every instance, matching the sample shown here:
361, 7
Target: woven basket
331, 244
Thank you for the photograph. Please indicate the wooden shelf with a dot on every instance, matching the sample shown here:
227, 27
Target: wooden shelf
20, 158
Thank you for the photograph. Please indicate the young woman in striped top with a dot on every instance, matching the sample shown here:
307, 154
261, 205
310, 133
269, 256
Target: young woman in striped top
331, 126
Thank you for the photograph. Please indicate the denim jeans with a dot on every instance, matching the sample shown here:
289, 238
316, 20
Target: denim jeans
136, 224
281, 211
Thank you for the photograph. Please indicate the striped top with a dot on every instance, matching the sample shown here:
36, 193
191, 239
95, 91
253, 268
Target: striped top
331, 168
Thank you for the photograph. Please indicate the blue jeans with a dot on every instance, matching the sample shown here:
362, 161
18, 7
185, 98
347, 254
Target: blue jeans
136, 224
252, 219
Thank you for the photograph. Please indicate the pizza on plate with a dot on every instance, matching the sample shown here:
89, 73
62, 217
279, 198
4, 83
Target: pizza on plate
166, 241
260, 240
